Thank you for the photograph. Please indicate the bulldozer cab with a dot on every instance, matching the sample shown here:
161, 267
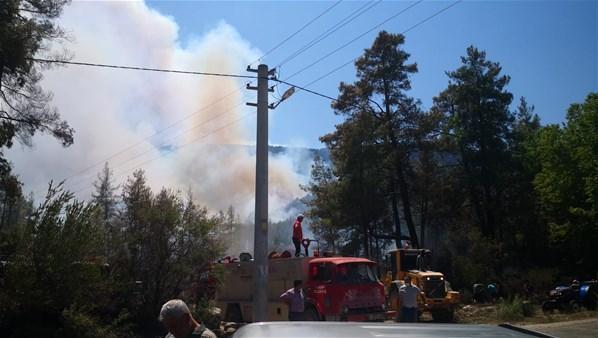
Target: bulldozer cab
401, 261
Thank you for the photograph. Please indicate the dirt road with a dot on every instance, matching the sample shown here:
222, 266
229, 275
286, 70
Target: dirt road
574, 329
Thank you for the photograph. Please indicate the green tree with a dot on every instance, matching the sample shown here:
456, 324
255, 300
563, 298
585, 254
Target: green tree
567, 183
11, 195
479, 124
383, 73
53, 275
105, 196
372, 150
324, 211
28, 28
166, 239
356, 163
524, 232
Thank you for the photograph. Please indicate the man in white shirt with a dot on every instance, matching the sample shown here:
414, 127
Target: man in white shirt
295, 300
408, 294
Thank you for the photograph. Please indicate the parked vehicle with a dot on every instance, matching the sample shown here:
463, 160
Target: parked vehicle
438, 298
336, 288
571, 298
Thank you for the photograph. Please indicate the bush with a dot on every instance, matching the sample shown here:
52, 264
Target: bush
466, 296
207, 312
514, 309
541, 279
53, 269
78, 324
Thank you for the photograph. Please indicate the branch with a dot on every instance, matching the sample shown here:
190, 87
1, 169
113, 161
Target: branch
17, 92
7, 116
10, 118
376, 103
10, 105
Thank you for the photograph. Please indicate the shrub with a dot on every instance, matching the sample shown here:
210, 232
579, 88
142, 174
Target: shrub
76, 323
514, 309
466, 296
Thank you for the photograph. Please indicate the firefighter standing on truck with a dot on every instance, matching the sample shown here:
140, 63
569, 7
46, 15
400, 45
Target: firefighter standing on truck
297, 234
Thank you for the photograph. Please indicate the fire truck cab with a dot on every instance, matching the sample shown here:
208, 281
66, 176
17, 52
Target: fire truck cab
336, 288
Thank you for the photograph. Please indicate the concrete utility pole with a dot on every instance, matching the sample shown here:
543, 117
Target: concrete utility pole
260, 242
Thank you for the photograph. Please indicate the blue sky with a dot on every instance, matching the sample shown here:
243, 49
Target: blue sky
549, 48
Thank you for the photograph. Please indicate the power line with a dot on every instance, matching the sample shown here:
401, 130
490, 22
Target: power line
139, 166
158, 132
431, 16
354, 39
298, 31
241, 76
152, 70
172, 138
303, 88
403, 32
354, 15
343, 22
101, 65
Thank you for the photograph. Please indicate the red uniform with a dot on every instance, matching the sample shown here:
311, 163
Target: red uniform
297, 230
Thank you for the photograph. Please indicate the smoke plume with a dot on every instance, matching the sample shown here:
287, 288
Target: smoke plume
113, 109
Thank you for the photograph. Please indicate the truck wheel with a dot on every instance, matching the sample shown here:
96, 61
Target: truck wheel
547, 307
311, 315
574, 306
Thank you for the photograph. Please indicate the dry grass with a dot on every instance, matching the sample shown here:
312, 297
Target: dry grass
489, 314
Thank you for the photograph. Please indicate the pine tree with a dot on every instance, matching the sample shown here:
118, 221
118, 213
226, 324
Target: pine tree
28, 28
480, 123
385, 133
105, 196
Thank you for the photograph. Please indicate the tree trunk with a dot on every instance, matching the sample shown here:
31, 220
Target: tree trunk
404, 190
395, 214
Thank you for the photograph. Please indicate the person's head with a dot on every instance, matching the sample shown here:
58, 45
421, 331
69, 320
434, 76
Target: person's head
298, 284
176, 317
407, 280
300, 217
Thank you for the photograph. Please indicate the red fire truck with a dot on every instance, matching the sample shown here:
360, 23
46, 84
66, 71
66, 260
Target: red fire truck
336, 288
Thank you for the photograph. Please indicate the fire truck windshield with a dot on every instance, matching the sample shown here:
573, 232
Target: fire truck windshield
355, 273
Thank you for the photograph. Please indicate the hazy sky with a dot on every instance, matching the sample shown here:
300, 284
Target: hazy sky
547, 47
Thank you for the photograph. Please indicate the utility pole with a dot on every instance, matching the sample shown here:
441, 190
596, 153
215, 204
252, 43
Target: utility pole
260, 242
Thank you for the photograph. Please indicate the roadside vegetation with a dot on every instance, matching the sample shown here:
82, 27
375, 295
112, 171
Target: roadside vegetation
497, 314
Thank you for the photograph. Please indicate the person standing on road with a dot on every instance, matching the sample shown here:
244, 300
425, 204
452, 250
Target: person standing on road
297, 234
295, 300
408, 294
179, 322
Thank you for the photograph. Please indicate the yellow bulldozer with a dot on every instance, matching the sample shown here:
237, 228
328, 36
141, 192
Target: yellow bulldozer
437, 296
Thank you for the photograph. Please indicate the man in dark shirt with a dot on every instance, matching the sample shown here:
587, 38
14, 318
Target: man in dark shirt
295, 300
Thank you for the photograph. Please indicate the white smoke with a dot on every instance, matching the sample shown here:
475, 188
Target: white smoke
113, 109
